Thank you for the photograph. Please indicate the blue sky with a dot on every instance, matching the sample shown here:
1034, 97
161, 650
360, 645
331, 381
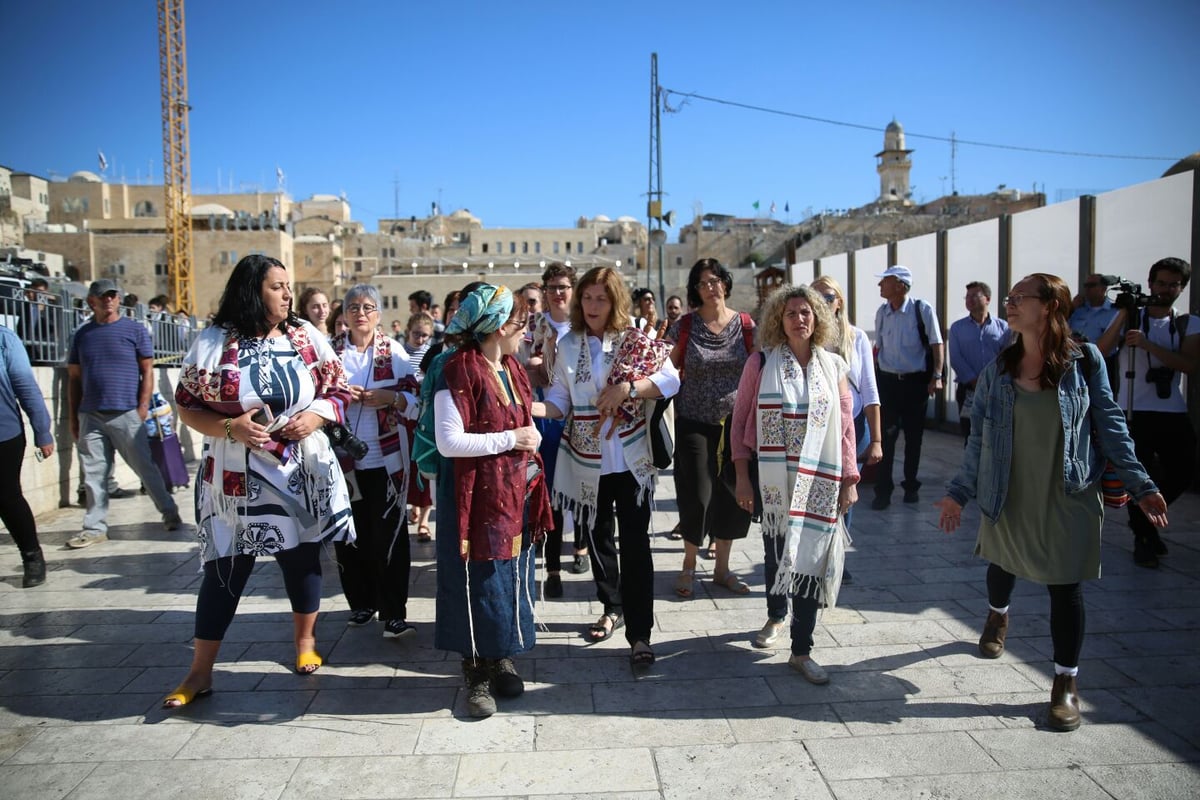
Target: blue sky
533, 113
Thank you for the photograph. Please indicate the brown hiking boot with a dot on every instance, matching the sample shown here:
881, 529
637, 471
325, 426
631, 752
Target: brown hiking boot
1064, 704
991, 643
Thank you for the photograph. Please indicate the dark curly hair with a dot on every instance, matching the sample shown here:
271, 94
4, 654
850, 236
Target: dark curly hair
241, 308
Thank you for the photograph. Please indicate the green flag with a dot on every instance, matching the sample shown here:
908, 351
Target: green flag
756, 205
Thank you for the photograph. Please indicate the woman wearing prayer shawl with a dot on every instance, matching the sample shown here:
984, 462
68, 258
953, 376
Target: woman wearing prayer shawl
491, 500
259, 384
606, 374
794, 410
375, 569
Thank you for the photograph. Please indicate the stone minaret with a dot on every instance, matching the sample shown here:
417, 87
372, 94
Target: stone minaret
893, 166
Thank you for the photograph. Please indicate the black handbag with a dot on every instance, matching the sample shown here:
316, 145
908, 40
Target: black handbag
662, 445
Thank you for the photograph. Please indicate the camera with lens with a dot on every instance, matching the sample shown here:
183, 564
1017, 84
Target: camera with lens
342, 437
1130, 295
1161, 378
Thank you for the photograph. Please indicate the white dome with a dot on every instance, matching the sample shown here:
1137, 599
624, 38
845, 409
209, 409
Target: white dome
600, 218
83, 176
626, 218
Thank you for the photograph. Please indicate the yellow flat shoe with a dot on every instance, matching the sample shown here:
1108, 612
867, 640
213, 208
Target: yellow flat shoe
308, 663
182, 696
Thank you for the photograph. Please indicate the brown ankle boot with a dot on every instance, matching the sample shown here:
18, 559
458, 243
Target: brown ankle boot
1064, 704
991, 643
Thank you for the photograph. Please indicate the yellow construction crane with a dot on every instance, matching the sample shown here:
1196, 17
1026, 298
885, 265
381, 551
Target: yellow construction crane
177, 183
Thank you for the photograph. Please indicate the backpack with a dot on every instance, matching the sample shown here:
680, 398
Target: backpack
425, 453
921, 306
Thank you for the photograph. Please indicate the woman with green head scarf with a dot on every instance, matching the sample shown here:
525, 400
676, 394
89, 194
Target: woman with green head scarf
491, 500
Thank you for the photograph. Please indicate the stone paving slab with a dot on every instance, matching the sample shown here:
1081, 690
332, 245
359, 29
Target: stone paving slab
911, 711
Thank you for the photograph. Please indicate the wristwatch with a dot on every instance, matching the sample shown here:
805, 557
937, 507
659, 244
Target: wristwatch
633, 392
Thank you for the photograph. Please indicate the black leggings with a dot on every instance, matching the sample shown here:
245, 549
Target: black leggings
14, 510
225, 580
1066, 612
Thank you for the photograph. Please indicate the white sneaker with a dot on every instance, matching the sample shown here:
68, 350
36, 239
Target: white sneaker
809, 669
86, 539
769, 633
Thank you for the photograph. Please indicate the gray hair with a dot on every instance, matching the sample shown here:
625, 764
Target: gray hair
363, 290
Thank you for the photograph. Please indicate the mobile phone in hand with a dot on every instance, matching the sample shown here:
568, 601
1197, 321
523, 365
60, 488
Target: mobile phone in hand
37, 451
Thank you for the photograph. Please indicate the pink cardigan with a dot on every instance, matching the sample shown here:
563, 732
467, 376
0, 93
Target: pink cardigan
743, 436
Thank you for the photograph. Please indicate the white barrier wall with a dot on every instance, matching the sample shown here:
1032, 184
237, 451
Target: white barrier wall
972, 254
1138, 225
867, 265
1047, 240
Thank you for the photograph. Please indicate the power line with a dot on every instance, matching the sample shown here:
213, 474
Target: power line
948, 139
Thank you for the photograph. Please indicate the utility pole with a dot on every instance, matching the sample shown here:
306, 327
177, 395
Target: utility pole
654, 210
953, 156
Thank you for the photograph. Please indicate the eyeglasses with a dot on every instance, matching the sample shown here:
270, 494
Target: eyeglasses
710, 284
420, 334
829, 298
1169, 285
1015, 299
362, 309
557, 288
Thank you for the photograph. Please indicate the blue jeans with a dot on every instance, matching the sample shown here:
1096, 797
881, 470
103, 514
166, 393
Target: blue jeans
804, 609
102, 434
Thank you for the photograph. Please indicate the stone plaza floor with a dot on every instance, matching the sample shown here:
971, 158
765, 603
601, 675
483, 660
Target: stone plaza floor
911, 711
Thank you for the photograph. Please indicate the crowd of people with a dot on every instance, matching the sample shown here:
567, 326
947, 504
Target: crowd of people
517, 416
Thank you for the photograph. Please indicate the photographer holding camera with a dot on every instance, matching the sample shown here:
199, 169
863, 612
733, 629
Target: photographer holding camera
1160, 345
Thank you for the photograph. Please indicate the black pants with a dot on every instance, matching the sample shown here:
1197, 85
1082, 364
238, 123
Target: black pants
225, 580
1165, 444
804, 609
554, 542
1066, 612
375, 569
14, 510
705, 508
625, 586
902, 407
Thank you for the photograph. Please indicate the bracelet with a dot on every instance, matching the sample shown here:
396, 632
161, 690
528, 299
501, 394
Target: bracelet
229, 429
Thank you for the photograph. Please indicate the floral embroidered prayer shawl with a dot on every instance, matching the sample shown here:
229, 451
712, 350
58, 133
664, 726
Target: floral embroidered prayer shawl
210, 379
800, 460
627, 355
393, 437
491, 491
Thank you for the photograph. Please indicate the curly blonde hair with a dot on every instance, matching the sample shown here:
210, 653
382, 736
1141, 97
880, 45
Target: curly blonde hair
770, 326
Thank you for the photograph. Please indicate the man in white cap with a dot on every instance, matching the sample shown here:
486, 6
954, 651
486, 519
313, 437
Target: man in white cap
110, 377
910, 363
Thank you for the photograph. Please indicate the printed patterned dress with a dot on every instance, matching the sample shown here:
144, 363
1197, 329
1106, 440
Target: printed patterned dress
266, 502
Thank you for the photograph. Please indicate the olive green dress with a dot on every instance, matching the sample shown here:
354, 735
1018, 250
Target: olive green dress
1043, 534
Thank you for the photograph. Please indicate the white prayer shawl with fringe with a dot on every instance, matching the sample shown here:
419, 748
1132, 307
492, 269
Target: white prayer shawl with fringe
577, 470
800, 470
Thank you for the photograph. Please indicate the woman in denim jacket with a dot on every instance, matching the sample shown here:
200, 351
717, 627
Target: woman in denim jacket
1041, 409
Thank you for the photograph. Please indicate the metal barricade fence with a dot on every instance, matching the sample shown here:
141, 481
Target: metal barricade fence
46, 321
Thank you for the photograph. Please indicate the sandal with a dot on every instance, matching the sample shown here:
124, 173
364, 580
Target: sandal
684, 584
676, 533
603, 629
733, 583
641, 655
423, 534
183, 696
308, 663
